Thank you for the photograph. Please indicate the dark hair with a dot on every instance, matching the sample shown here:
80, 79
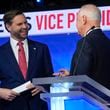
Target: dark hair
8, 16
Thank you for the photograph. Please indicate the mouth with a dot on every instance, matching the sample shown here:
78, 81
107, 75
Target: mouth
24, 32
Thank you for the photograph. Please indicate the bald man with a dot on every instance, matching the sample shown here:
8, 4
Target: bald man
92, 55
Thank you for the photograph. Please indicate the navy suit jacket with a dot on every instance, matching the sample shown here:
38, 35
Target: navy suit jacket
10, 75
92, 57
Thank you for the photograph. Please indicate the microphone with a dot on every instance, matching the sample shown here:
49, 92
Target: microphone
80, 51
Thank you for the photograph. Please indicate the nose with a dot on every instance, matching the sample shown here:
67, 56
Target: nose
25, 25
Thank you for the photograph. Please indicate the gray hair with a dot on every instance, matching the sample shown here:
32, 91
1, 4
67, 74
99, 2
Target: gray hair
91, 11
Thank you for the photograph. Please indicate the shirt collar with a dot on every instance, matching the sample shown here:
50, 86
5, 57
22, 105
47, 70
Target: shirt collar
14, 42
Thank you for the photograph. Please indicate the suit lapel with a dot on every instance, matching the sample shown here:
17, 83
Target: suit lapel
13, 63
32, 54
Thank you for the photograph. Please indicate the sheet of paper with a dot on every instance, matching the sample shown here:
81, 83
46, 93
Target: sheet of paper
22, 87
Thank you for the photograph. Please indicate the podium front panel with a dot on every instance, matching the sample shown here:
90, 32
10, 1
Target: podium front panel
81, 90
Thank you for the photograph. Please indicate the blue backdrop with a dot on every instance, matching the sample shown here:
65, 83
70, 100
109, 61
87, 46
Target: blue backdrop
61, 46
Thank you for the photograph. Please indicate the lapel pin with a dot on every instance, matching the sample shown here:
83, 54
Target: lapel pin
34, 48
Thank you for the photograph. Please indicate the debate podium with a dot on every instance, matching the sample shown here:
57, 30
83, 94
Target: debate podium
74, 93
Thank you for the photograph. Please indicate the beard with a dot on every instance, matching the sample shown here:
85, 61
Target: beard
20, 35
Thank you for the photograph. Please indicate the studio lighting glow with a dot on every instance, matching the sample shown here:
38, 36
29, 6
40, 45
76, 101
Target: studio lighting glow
39, 1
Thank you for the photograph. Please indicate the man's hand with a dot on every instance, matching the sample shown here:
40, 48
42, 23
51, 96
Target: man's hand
7, 94
62, 72
35, 89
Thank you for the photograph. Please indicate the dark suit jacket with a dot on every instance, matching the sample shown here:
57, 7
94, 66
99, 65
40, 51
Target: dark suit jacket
92, 57
10, 75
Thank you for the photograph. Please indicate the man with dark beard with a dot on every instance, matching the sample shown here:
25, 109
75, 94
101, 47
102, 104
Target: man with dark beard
21, 60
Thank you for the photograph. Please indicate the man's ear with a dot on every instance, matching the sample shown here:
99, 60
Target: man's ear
7, 26
84, 19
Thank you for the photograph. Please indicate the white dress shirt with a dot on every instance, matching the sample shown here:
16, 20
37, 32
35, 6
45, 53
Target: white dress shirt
15, 47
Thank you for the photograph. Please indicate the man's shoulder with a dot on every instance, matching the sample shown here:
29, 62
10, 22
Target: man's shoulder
36, 43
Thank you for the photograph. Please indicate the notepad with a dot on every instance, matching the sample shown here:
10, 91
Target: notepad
22, 87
